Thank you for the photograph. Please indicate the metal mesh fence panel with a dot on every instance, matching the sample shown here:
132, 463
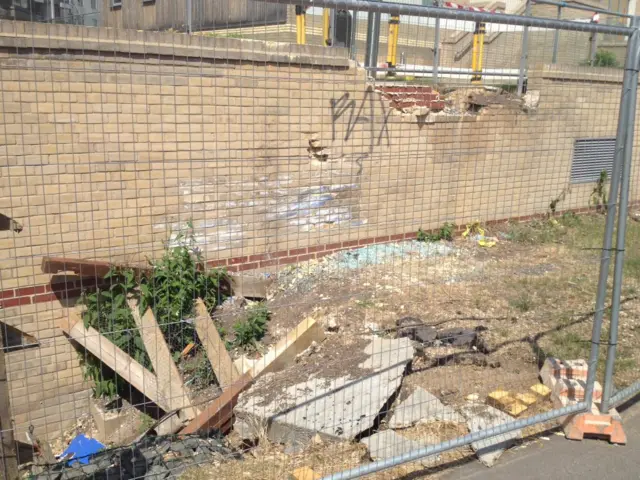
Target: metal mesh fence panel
229, 249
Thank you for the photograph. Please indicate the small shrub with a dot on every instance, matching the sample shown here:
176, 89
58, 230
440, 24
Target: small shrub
523, 302
605, 58
598, 197
251, 330
169, 288
443, 233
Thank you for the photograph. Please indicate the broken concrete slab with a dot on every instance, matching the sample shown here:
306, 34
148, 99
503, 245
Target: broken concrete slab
481, 417
415, 329
336, 408
422, 406
387, 444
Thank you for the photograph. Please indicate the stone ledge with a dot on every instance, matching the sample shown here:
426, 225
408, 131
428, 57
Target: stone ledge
579, 74
48, 37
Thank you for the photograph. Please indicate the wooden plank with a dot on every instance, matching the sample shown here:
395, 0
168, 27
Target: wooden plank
286, 350
219, 358
169, 378
220, 411
121, 363
83, 268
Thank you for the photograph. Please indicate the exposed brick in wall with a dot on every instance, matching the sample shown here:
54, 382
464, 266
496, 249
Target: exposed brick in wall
402, 97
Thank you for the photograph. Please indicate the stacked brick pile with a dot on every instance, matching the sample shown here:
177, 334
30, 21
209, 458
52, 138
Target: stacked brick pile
567, 380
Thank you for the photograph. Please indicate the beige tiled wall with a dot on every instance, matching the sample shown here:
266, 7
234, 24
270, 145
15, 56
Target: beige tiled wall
105, 156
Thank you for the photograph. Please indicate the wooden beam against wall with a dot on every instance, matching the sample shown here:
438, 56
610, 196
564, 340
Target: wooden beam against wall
218, 413
169, 378
219, 358
121, 363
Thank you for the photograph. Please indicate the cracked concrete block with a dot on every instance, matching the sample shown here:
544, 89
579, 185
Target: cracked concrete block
335, 408
422, 406
388, 444
481, 417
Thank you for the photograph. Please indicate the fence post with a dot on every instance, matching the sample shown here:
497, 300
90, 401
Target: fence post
354, 32
556, 38
8, 458
189, 17
626, 128
524, 53
436, 46
373, 40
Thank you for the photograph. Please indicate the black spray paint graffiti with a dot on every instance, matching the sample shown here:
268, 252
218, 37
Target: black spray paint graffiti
365, 116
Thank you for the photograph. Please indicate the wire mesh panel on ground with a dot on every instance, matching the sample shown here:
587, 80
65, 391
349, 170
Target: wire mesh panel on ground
227, 255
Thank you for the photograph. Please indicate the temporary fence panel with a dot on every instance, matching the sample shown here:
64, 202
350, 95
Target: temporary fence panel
298, 258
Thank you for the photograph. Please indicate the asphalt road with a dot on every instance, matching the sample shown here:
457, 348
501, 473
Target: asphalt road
561, 458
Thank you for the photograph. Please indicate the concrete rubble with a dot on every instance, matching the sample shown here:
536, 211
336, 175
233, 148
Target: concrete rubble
388, 444
422, 406
481, 417
336, 408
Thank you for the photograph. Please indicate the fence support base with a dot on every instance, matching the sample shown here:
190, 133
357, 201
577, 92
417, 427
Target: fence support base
576, 427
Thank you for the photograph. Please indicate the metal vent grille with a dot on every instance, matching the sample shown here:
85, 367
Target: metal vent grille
590, 157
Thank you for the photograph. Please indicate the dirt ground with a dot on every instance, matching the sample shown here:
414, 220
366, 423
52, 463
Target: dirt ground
530, 296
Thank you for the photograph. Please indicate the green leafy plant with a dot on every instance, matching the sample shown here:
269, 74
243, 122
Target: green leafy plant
605, 58
169, 288
250, 330
443, 233
172, 285
598, 197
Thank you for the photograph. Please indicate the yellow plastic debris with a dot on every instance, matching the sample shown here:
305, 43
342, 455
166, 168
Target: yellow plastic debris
542, 390
475, 229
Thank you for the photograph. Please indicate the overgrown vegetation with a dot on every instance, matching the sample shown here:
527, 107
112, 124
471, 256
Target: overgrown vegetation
605, 58
598, 197
169, 288
443, 233
253, 328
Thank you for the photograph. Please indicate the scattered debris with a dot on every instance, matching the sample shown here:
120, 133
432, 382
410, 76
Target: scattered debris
458, 337
422, 406
481, 417
476, 233
302, 278
387, 444
415, 329
531, 100
81, 449
153, 458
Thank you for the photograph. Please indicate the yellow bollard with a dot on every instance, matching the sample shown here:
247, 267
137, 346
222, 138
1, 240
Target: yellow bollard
301, 34
478, 52
392, 41
326, 27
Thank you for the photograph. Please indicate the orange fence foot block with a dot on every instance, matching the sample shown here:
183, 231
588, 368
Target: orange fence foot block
595, 424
